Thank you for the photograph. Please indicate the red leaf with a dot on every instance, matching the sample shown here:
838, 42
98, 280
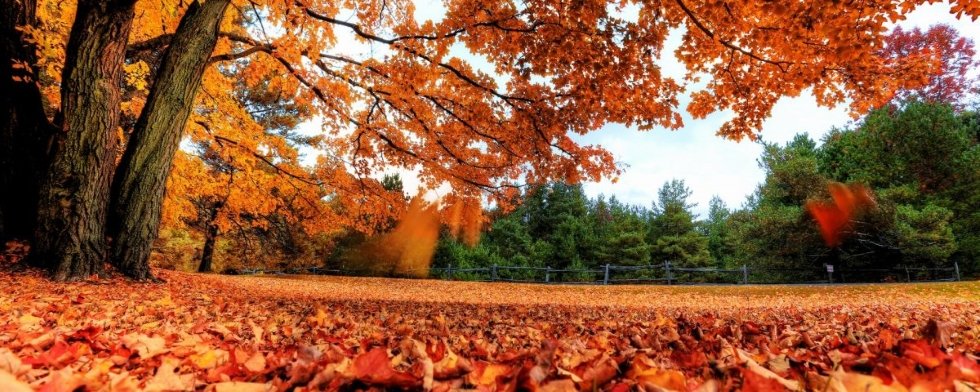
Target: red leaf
834, 218
87, 334
374, 367
435, 350
58, 353
751, 381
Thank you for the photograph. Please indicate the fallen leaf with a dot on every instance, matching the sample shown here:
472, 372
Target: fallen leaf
255, 363
238, 386
166, 378
9, 383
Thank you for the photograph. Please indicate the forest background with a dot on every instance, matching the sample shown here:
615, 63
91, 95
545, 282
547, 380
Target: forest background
241, 191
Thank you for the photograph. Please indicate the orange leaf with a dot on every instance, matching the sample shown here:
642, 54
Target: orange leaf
374, 367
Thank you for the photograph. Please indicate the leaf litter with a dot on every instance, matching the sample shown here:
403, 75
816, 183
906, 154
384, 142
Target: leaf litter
222, 333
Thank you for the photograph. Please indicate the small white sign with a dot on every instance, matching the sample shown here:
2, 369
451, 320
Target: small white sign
830, 268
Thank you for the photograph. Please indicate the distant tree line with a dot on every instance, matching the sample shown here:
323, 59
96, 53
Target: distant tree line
922, 160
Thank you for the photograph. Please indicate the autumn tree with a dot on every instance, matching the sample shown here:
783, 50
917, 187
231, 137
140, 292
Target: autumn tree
138, 188
70, 238
953, 59
413, 102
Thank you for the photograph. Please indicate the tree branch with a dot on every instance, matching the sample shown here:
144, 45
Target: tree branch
727, 44
221, 140
395, 44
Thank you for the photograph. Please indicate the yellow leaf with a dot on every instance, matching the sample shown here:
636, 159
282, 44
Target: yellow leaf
255, 363
841, 381
165, 301
206, 360
29, 320
167, 380
10, 383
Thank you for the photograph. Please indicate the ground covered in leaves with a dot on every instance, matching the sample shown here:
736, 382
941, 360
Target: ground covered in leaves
208, 332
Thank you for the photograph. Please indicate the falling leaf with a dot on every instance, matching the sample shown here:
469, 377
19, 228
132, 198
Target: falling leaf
835, 217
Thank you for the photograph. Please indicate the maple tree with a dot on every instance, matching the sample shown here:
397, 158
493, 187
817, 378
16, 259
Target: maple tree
953, 54
557, 69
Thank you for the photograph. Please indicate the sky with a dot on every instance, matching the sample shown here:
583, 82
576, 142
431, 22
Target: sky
709, 165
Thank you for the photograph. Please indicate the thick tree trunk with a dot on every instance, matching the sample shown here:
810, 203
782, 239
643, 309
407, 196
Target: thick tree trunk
138, 190
24, 128
70, 235
207, 254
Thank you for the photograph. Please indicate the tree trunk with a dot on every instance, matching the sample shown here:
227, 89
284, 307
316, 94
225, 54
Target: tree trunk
138, 190
24, 128
70, 235
207, 254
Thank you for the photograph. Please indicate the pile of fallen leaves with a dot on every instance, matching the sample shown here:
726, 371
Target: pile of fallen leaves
199, 332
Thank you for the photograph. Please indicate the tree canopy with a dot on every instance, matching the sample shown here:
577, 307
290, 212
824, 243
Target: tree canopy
126, 83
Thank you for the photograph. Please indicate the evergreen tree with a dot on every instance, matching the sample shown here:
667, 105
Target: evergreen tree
924, 235
672, 231
922, 160
509, 239
556, 214
624, 240
774, 229
717, 229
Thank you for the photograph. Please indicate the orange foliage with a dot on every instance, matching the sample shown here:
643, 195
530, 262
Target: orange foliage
472, 223
834, 218
407, 249
413, 241
464, 218
413, 102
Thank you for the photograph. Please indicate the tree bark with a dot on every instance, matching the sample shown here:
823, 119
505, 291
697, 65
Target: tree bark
207, 254
70, 235
138, 190
24, 127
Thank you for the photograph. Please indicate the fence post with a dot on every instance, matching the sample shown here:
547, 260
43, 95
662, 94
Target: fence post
605, 278
956, 267
493, 273
745, 274
908, 276
449, 272
669, 276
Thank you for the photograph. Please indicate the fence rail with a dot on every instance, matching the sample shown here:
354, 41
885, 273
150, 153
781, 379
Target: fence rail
665, 273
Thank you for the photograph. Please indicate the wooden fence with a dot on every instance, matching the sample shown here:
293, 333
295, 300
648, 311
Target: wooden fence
665, 273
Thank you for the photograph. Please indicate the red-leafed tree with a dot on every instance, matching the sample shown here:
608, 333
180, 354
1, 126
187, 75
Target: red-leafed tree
951, 55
